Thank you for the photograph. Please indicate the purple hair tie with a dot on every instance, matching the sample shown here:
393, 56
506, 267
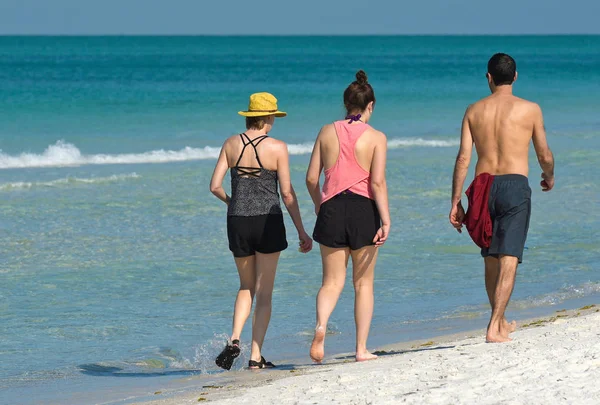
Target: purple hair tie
353, 118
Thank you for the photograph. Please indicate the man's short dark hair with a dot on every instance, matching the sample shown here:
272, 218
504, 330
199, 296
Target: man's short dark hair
502, 68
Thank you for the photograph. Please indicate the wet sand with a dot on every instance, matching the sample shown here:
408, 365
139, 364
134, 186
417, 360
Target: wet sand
555, 359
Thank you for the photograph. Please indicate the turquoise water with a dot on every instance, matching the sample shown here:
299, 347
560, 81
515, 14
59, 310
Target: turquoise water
113, 254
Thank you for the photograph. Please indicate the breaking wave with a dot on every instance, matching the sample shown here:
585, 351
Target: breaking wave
66, 154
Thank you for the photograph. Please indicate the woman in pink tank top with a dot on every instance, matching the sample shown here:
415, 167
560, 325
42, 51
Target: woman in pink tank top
353, 217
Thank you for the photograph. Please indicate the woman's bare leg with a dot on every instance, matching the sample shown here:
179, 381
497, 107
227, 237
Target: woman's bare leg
245, 295
363, 265
335, 262
266, 266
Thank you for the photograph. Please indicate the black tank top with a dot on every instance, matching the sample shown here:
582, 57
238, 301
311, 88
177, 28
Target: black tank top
253, 189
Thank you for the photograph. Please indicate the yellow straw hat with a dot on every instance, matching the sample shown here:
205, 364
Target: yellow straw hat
262, 104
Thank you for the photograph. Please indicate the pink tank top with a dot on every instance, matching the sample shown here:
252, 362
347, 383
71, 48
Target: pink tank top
346, 173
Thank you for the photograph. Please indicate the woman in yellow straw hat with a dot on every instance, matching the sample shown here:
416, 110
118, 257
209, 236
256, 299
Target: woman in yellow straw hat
255, 228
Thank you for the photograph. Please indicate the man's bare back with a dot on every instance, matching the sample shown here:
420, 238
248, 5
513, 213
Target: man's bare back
502, 127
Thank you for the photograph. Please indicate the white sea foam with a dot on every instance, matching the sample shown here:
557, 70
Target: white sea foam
300, 149
432, 143
66, 154
565, 293
66, 181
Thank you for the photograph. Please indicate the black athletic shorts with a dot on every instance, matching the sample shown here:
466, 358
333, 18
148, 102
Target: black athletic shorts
347, 220
510, 209
260, 233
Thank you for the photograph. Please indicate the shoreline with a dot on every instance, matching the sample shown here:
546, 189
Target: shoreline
300, 378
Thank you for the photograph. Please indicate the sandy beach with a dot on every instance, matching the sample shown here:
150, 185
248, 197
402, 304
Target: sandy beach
551, 360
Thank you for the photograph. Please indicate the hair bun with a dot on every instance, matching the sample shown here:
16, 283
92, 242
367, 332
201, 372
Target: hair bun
361, 77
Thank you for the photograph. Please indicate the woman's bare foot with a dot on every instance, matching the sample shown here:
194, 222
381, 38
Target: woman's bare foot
365, 356
317, 349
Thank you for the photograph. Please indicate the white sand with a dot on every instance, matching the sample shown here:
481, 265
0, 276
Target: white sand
555, 363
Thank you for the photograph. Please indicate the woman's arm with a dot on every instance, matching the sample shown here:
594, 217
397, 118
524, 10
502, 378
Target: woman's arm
314, 173
379, 188
216, 183
288, 195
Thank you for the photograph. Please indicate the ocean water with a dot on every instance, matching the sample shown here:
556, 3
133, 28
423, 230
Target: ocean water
115, 275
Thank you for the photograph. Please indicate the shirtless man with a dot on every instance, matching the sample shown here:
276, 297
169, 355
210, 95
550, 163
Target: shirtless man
501, 126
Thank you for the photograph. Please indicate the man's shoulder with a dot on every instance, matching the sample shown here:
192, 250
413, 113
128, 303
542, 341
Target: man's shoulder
526, 103
527, 109
490, 100
477, 105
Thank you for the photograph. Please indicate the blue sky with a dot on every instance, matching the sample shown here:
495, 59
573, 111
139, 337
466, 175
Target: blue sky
223, 17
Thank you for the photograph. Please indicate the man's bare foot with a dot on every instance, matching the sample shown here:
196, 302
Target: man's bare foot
365, 356
317, 349
509, 326
497, 334
496, 338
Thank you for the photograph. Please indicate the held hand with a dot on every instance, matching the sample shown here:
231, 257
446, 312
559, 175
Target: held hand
305, 242
457, 216
547, 183
381, 235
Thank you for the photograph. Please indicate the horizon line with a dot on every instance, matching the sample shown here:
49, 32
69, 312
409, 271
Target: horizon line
300, 35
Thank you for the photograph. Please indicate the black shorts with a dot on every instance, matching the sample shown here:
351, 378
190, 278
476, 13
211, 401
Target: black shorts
260, 233
347, 220
510, 209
